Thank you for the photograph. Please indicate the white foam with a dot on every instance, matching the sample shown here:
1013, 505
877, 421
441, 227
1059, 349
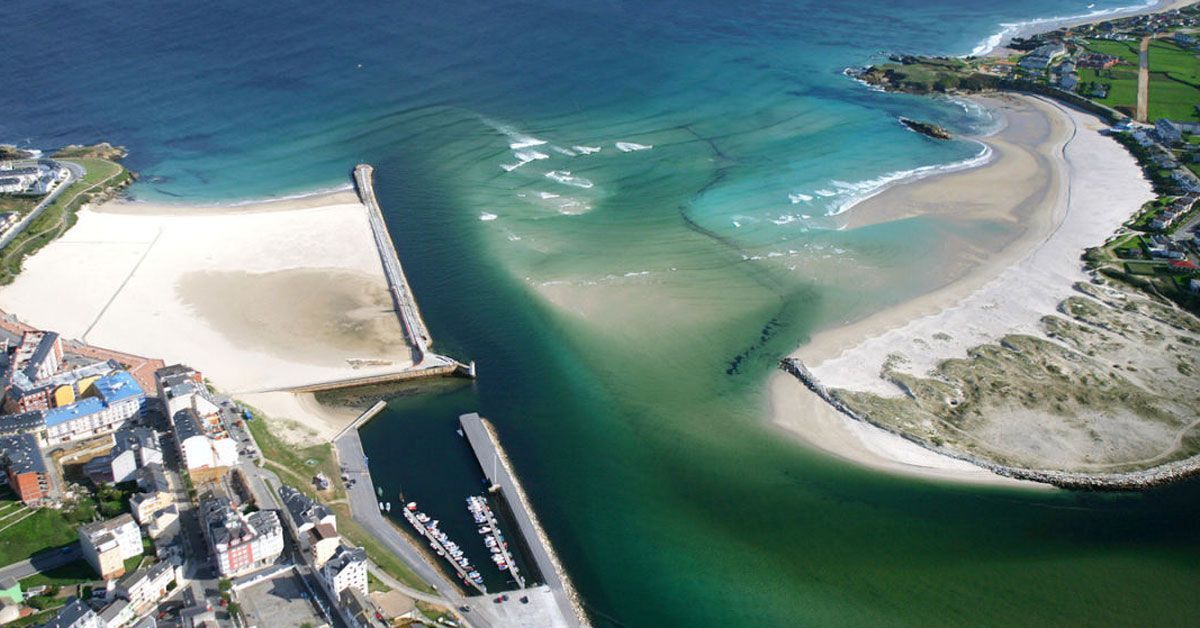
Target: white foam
547, 195
586, 150
799, 198
486, 217
784, 219
566, 178
1013, 29
524, 141
860, 191
628, 147
826, 193
563, 151
737, 225
511, 167
529, 155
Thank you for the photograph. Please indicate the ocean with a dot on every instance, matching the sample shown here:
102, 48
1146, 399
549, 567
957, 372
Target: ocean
625, 212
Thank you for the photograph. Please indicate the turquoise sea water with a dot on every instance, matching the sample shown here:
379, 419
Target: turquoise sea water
625, 329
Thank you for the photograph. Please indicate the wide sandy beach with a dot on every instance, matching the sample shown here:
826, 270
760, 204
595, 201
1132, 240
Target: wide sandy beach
260, 297
1068, 186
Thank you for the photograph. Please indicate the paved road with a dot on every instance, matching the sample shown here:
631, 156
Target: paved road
1143, 93
41, 562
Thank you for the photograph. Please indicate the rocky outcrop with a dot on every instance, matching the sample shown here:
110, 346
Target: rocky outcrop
926, 128
103, 150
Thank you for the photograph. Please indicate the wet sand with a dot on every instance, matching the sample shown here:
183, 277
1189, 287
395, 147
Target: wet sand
260, 296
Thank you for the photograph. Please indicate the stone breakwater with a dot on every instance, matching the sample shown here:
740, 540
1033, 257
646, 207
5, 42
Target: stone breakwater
568, 586
1133, 480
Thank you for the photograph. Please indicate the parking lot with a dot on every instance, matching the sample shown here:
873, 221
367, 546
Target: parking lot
279, 601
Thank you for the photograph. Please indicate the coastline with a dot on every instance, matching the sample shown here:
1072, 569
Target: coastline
1007, 290
993, 45
259, 297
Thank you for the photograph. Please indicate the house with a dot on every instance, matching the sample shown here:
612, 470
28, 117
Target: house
241, 543
1043, 56
1096, 60
154, 493
145, 587
1168, 132
117, 614
25, 468
75, 614
132, 448
324, 541
118, 402
358, 611
1068, 82
304, 512
1183, 266
346, 569
108, 544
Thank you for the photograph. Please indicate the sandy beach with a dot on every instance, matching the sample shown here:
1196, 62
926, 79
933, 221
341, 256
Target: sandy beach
1068, 186
260, 297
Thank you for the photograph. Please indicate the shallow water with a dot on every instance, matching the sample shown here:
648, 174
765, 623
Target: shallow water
626, 310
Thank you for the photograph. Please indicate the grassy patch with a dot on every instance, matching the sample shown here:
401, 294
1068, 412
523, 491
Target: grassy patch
301, 464
60, 215
1126, 51
45, 529
375, 584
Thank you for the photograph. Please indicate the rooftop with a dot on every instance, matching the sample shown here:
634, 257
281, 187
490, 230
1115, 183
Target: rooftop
22, 454
81, 408
117, 387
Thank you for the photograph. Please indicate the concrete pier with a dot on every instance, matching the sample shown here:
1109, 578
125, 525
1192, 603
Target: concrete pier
496, 468
402, 296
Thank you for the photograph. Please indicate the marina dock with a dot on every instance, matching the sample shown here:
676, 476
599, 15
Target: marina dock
496, 468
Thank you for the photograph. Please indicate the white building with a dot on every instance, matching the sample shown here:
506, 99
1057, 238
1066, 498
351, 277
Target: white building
108, 544
118, 402
145, 587
200, 433
31, 180
241, 543
347, 569
132, 449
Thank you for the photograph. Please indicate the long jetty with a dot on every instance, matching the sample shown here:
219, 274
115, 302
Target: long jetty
425, 362
498, 471
402, 295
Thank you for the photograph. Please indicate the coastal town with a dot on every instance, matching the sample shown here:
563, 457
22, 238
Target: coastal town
138, 494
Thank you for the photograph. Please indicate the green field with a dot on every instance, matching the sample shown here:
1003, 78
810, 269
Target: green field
1121, 82
43, 530
1127, 51
1174, 82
